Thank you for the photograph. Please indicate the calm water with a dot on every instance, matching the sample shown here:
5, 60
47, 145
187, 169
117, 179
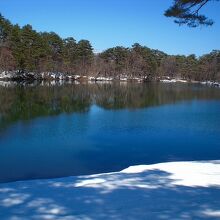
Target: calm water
56, 131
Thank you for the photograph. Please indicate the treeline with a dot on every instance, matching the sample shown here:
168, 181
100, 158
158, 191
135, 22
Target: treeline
26, 50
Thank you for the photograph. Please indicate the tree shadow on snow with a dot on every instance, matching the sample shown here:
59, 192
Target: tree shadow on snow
147, 195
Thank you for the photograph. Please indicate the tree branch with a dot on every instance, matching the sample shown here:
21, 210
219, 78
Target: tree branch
197, 11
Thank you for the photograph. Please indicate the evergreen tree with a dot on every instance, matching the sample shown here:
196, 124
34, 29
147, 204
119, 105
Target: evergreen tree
54, 50
187, 12
84, 55
5, 30
26, 50
69, 54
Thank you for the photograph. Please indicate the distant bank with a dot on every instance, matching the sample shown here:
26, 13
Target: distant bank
15, 76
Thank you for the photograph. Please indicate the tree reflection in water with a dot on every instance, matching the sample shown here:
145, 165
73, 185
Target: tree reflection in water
25, 103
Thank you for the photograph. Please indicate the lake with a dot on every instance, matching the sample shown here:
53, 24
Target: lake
49, 131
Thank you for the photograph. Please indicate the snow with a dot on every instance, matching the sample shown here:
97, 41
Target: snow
182, 80
185, 173
168, 81
104, 79
210, 83
174, 190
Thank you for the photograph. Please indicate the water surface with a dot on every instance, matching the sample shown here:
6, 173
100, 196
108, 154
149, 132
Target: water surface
56, 131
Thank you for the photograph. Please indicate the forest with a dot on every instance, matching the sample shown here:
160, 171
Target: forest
24, 50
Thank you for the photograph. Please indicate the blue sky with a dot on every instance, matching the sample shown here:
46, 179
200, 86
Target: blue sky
108, 23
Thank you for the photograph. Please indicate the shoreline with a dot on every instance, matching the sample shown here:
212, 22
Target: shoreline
7, 78
174, 190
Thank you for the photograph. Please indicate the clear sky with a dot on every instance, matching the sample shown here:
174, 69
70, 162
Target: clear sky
108, 23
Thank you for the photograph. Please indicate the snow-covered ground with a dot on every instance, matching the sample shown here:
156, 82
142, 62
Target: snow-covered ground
175, 190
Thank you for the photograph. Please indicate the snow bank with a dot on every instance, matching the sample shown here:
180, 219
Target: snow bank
191, 174
175, 190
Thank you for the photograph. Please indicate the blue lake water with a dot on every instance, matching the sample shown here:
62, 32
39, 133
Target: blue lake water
57, 131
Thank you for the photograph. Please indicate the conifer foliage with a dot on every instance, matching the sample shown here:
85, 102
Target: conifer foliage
188, 12
23, 49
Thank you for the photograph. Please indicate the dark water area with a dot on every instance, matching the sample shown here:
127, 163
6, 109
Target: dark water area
57, 131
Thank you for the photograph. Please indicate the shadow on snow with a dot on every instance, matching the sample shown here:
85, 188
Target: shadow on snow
150, 194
